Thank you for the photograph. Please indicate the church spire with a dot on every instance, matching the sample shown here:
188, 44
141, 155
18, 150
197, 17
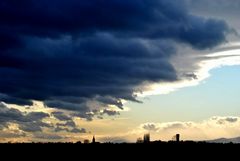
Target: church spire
94, 140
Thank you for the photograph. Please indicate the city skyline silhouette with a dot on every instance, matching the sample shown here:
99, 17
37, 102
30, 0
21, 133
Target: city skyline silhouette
120, 71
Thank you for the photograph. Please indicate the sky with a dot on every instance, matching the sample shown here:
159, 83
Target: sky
118, 69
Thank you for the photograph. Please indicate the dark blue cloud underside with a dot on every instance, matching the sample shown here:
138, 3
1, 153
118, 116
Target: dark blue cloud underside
68, 52
137, 18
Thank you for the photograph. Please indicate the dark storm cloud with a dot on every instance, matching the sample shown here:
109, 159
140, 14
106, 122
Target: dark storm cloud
137, 18
13, 100
70, 53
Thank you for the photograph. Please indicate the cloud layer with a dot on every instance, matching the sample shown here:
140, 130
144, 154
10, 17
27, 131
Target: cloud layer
15, 124
212, 128
30, 122
89, 55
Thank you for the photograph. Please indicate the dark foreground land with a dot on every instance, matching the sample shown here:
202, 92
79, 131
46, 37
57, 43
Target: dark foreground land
172, 145
155, 143
125, 151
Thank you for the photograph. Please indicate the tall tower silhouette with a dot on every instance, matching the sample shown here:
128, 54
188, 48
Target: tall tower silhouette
177, 137
93, 140
146, 138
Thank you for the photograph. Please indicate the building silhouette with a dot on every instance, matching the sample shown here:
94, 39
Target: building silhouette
86, 141
93, 140
139, 140
177, 137
146, 138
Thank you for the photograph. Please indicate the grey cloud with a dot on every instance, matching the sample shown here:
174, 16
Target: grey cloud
110, 112
113, 139
216, 6
33, 123
75, 130
59, 129
231, 119
165, 126
30, 127
45, 136
110, 101
14, 134
227, 10
150, 127
69, 126
30, 122
100, 117
1, 127
190, 76
13, 100
70, 123
87, 116
34, 126
61, 116
36, 116
222, 121
176, 126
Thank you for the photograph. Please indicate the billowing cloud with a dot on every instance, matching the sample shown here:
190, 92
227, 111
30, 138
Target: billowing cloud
225, 120
212, 128
88, 55
30, 122
69, 126
75, 130
61, 116
11, 135
208, 129
165, 126
15, 124
150, 127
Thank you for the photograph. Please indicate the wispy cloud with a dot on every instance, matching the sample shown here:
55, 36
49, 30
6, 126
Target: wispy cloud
228, 56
